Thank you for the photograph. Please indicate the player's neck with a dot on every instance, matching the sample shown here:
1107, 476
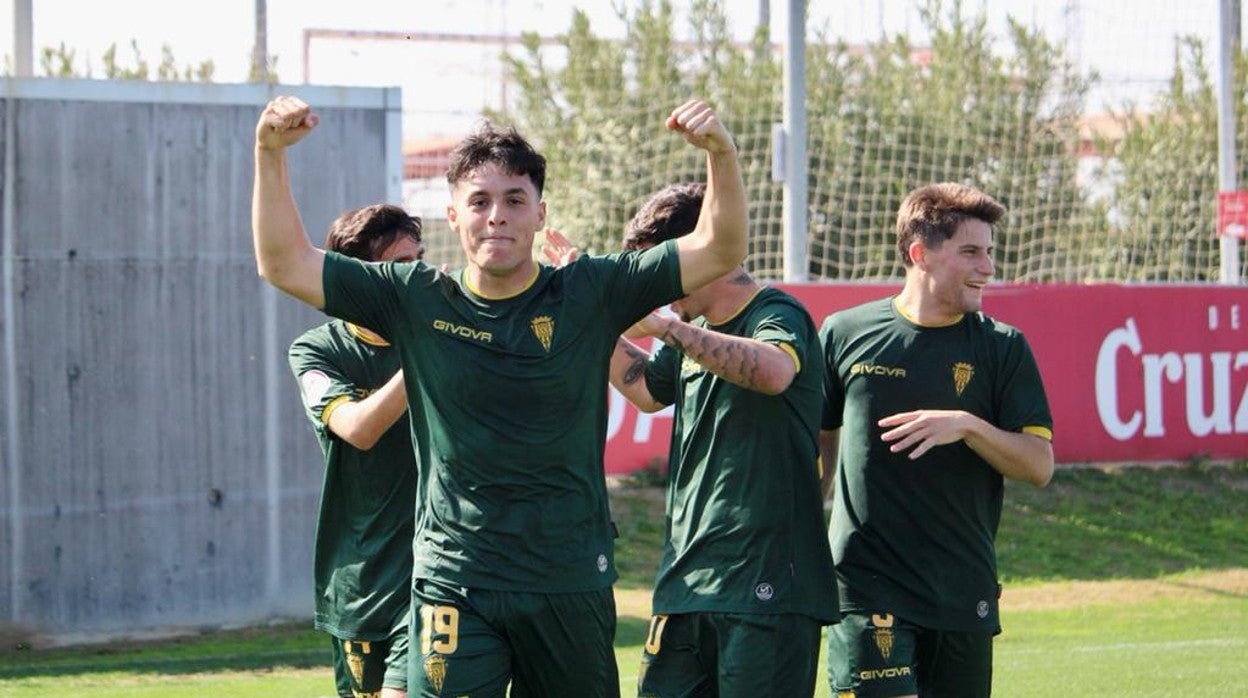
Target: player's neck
505, 285
729, 294
922, 308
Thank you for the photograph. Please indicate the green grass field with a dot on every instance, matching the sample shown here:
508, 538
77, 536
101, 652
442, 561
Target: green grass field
1119, 582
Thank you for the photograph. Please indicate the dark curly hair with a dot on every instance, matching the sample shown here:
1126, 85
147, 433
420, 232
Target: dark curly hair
364, 233
499, 145
669, 213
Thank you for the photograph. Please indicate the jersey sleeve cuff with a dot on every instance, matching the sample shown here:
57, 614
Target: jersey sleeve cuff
1043, 432
333, 405
797, 362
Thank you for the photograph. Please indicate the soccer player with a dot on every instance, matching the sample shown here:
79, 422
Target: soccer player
513, 558
932, 404
746, 582
353, 394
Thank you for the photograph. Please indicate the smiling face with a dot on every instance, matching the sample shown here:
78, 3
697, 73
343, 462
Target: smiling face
496, 216
954, 273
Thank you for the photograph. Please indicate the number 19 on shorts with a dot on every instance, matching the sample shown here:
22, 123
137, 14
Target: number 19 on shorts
442, 622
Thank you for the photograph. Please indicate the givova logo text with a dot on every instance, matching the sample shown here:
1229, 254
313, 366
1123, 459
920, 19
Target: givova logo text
463, 331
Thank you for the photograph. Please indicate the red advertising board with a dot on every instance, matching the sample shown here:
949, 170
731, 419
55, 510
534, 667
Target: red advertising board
1133, 373
1233, 213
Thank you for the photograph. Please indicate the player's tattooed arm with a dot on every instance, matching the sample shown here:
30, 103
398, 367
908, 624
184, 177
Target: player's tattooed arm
743, 361
635, 370
628, 375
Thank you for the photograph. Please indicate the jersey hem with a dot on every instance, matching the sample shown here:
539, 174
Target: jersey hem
536, 587
825, 617
352, 635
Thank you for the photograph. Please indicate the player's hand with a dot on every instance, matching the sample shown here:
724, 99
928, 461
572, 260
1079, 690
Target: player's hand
652, 325
921, 430
558, 250
697, 122
284, 122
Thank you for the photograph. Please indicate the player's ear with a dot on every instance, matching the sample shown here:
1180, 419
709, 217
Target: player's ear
541, 214
918, 254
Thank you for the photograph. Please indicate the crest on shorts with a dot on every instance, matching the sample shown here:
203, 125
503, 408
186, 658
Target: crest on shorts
962, 373
544, 327
355, 660
435, 671
883, 633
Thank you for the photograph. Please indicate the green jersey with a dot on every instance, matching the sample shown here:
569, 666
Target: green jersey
745, 528
363, 559
916, 537
515, 392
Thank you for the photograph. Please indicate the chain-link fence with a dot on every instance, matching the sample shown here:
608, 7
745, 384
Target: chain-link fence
1094, 121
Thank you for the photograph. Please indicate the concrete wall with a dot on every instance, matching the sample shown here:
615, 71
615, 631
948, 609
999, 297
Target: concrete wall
156, 470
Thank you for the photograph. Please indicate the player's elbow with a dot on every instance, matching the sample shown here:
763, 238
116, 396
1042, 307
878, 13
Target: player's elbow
1042, 467
356, 435
278, 273
1042, 476
643, 401
361, 441
273, 279
771, 388
776, 383
648, 406
273, 272
776, 375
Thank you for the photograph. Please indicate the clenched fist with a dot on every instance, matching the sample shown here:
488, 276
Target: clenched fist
284, 122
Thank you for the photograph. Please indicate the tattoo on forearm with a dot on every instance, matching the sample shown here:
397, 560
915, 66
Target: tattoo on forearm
671, 339
733, 360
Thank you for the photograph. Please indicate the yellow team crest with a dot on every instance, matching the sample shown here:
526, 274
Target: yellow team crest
544, 327
435, 671
962, 373
883, 633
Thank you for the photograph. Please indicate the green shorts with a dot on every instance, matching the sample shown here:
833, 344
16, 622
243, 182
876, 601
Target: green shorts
364, 667
875, 655
729, 655
470, 643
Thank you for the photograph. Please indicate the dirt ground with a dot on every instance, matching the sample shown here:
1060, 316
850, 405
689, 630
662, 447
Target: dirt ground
635, 603
1060, 595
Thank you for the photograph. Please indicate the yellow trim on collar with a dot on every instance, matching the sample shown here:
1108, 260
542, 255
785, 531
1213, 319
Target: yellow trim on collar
537, 269
356, 332
902, 311
1043, 432
333, 405
738, 311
